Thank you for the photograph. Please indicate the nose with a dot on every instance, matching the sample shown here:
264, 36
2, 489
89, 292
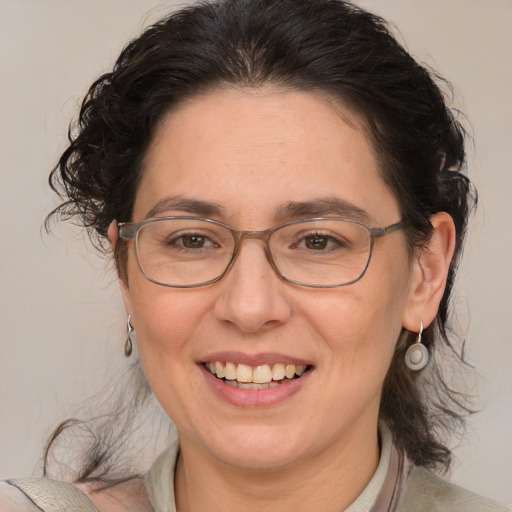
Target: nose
253, 296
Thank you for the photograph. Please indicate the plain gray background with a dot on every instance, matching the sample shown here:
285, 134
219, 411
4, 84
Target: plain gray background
61, 318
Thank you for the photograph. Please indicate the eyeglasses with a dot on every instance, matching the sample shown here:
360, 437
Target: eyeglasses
187, 251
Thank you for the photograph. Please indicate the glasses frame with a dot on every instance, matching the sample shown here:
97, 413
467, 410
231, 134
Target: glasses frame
130, 230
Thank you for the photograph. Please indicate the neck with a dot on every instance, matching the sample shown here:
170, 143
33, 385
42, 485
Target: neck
329, 481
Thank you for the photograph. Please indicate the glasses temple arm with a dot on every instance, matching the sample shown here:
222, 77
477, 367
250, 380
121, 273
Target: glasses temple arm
126, 231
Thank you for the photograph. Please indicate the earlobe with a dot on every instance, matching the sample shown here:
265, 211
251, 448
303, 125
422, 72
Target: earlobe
429, 273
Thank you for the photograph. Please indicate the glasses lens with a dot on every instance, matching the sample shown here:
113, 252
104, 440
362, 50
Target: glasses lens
183, 252
321, 252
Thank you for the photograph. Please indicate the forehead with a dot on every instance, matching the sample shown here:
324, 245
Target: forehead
251, 152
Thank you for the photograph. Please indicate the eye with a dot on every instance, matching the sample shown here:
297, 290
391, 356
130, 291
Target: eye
320, 242
191, 241
316, 242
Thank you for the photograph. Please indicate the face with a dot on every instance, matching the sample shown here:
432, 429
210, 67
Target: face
250, 153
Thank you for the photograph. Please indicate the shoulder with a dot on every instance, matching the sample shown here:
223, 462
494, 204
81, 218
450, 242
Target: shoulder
43, 494
128, 496
36, 494
424, 491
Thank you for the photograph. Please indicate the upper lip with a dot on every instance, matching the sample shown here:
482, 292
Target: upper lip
255, 359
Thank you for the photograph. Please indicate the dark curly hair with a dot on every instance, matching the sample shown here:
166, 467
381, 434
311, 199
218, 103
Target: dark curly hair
330, 46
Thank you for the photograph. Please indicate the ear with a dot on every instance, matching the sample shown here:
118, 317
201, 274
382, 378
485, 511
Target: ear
113, 238
429, 274
113, 234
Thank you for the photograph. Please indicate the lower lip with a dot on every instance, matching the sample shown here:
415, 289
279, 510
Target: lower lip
255, 397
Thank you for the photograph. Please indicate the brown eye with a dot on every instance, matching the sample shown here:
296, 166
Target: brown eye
316, 242
193, 241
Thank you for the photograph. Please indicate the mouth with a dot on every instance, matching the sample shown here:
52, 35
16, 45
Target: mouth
256, 377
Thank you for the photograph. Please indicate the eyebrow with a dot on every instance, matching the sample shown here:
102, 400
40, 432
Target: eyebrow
188, 205
320, 207
323, 207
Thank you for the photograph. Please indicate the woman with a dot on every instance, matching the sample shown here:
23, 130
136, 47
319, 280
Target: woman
280, 186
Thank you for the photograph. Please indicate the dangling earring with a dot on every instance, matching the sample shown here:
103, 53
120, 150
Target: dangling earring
416, 357
128, 344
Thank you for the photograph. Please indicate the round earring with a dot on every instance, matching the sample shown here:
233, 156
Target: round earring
416, 357
128, 344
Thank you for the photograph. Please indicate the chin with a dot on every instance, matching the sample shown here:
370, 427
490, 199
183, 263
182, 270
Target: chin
259, 449
259, 459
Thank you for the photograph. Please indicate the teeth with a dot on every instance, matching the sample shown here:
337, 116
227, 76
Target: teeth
278, 372
260, 377
219, 370
244, 373
300, 369
262, 374
229, 371
252, 385
289, 371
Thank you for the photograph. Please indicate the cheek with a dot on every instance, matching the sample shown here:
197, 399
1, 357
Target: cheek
166, 323
362, 322
165, 320
360, 328
160, 315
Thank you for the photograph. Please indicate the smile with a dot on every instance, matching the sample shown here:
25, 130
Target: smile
255, 377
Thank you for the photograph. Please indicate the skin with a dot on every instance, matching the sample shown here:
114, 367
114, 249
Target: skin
252, 151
